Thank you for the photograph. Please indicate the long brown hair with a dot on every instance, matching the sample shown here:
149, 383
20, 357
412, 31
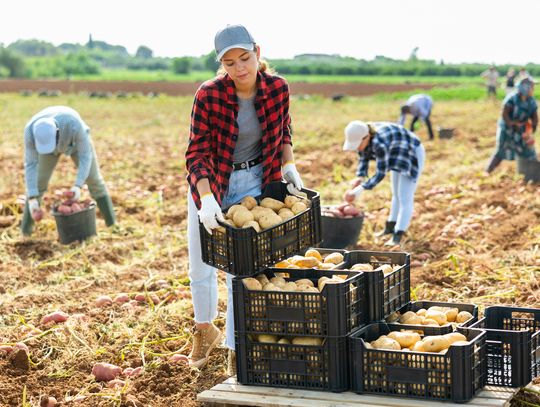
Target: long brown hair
264, 66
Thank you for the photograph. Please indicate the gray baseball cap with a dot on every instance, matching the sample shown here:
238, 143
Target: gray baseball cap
232, 36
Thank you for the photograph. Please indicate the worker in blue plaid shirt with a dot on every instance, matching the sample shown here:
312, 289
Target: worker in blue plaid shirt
395, 149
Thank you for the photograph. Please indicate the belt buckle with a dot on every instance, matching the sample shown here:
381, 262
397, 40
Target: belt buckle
243, 165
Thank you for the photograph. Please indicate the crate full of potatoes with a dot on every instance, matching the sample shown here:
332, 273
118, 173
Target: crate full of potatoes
261, 231
432, 317
388, 361
300, 302
388, 279
294, 362
316, 258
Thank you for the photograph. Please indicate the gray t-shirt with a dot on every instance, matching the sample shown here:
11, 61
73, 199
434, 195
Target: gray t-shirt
248, 145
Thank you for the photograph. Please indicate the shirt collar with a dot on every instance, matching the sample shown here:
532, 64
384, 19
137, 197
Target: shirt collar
262, 88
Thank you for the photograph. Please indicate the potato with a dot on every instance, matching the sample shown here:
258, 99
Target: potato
272, 203
290, 200
305, 281
64, 210
328, 281
436, 308
326, 266
285, 213
103, 301
307, 340
282, 264
320, 282
451, 314
269, 220
284, 341
293, 266
307, 262
252, 224
261, 278
421, 312
455, 337
418, 347
259, 211
267, 338
405, 338
252, 284
438, 316
430, 322
406, 316
106, 371
334, 258
56, 317
232, 210
298, 207
393, 317
271, 287
435, 343
278, 281
290, 286
460, 343
385, 268
308, 289
313, 253
463, 316
385, 342
362, 267
242, 216
249, 202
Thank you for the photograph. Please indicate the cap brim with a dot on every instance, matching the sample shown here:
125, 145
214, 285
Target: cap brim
350, 146
46, 148
247, 47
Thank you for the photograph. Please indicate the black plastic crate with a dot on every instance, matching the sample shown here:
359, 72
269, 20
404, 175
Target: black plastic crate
389, 293
336, 311
244, 252
437, 330
455, 375
513, 345
323, 368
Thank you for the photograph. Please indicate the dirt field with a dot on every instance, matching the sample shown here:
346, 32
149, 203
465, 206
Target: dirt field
185, 89
474, 239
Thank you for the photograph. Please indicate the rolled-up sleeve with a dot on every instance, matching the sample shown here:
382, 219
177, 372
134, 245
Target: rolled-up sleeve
30, 164
198, 150
382, 158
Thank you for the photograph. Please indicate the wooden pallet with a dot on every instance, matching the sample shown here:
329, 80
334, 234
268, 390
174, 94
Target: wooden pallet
230, 393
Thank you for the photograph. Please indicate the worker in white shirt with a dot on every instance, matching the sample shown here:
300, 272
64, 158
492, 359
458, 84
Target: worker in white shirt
419, 106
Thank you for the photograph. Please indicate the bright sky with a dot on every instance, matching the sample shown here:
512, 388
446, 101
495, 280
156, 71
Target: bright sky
491, 31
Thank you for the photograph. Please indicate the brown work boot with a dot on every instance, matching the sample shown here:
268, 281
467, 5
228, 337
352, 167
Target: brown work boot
204, 341
231, 363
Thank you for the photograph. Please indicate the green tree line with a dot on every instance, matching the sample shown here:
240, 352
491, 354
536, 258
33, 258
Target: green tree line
41, 59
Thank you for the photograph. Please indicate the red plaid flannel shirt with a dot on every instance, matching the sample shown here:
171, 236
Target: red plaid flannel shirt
214, 131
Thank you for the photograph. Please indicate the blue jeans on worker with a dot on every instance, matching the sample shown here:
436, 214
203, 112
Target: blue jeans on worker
403, 189
203, 278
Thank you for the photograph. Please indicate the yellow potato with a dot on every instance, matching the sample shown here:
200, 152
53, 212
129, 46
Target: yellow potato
285, 213
421, 312
406, 316
292, 266
284, 341
320, 282
308, 289
298, 207
242, 216
362, 267
393, 317
290, 200
313, 253
460, 343
418, 347
289, 286
435, 343
451, 314
282, 264
220, 229
307, 340
271, 287
326, 266
455, 337
413, 320
385, 342
405, 338
249, 202
267, 338
232, 210
278, 281
261, 278
269, 220
305, 281
252, 224
259, 211
430, 322
252, 283
334, 258
436, 308
272, 203
385, 268
463, 316
307, 262
438, 316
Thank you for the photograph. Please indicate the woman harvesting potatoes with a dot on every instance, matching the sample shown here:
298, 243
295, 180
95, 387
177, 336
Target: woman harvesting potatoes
394, 149
516, 127
240, 140
50, 133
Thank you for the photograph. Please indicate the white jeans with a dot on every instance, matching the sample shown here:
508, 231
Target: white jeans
203, 278
403, 189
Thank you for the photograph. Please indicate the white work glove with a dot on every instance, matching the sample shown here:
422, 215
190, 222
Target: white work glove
209, 212
76, 193
291, 175
35, 210
353, 194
